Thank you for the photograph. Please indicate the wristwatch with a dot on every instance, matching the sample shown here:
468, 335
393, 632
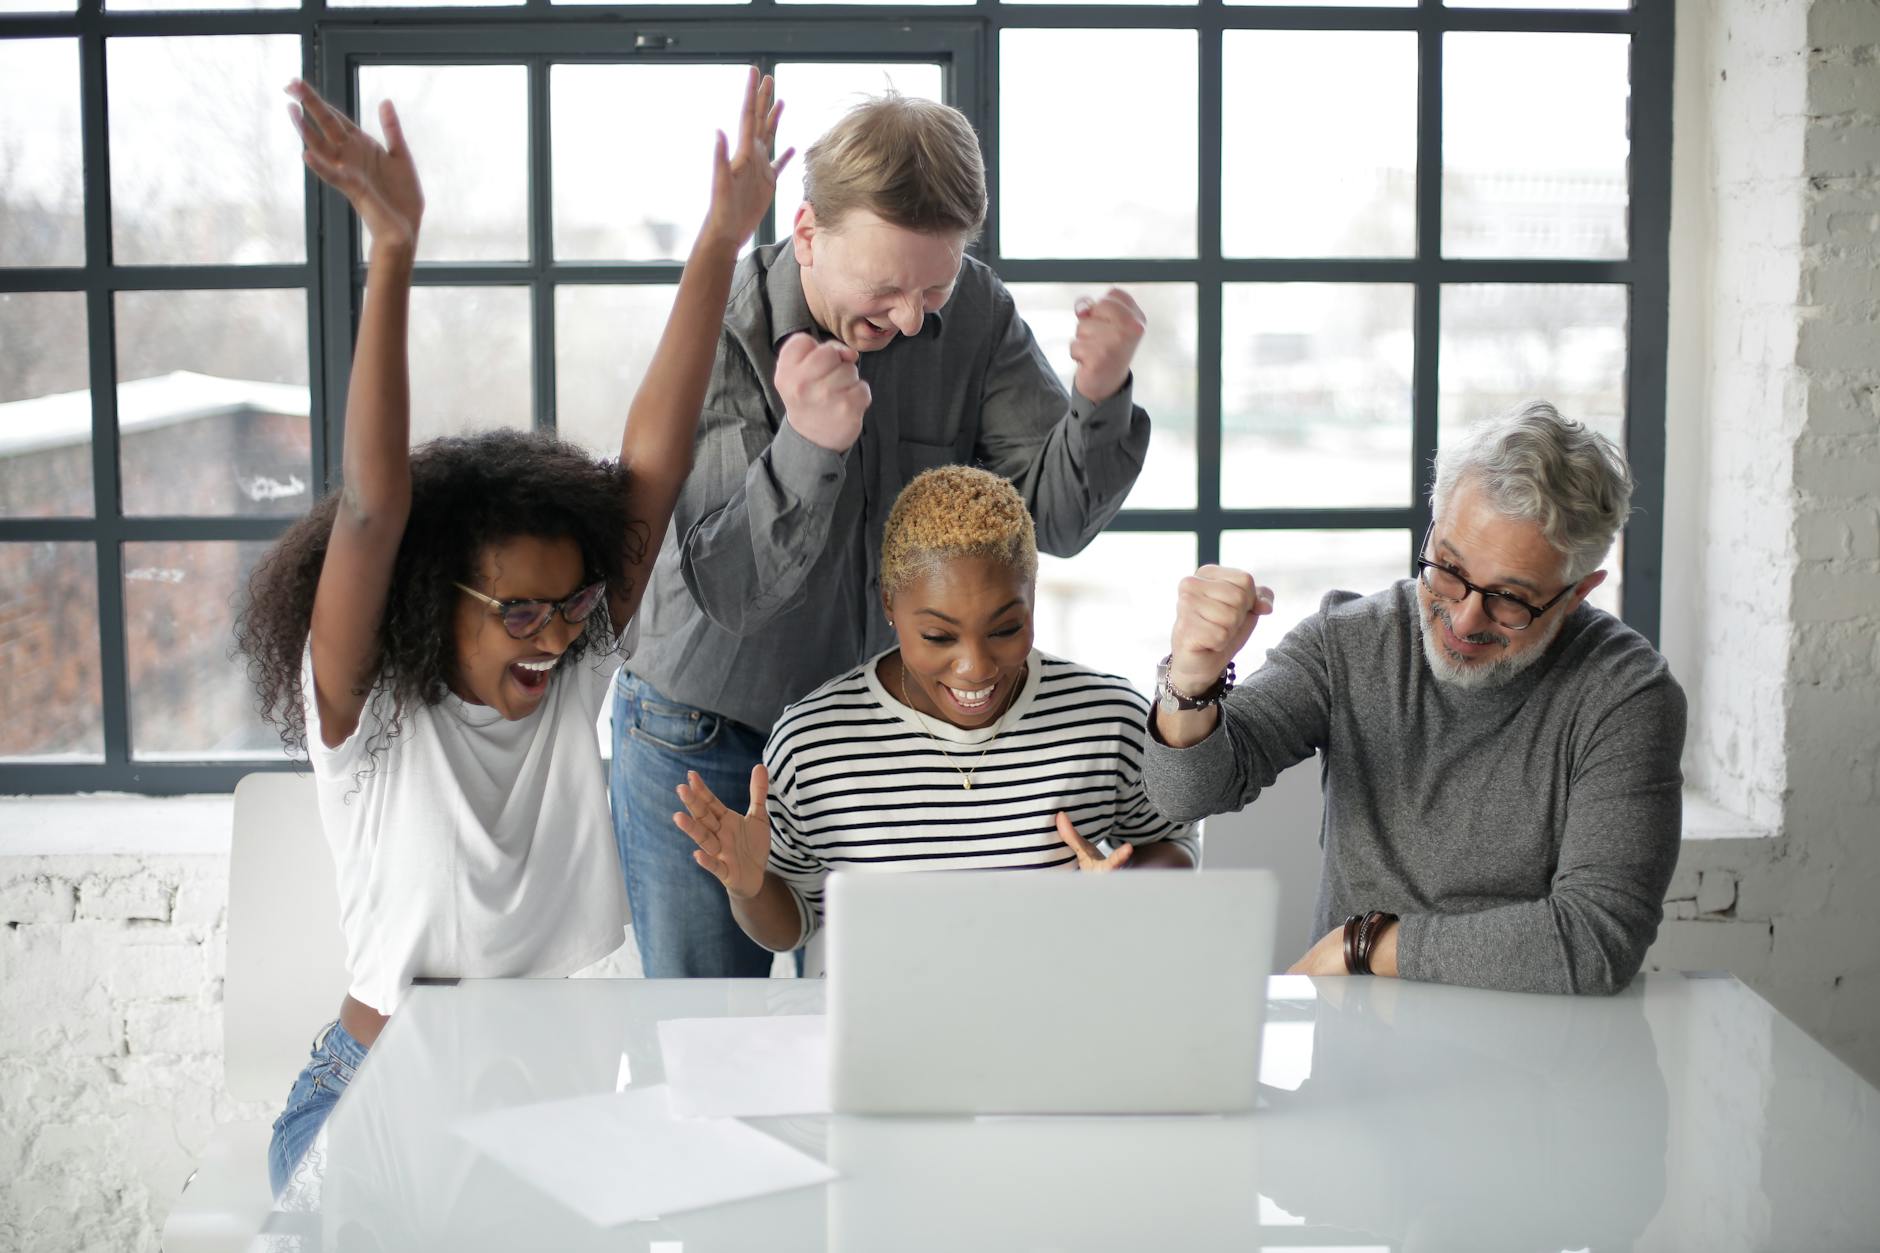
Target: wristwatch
1170, 700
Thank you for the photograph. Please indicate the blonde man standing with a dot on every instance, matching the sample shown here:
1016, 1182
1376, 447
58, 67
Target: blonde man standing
768, 581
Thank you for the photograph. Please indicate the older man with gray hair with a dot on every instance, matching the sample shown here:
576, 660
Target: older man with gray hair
1499, 758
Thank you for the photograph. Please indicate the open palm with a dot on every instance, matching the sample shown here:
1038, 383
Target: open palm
1089, 856
734, 847
378, 180
744, 179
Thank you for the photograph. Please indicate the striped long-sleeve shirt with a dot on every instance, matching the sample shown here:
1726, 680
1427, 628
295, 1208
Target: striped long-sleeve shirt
859, 783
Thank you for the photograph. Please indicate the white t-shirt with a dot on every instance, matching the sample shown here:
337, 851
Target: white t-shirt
859, 782
468, 846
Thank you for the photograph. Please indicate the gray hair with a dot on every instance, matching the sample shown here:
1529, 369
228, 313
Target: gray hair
1539, 467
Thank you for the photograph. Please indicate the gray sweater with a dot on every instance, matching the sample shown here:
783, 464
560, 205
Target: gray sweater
1525, 834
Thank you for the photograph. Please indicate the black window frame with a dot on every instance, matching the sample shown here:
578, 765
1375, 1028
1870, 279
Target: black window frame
334, 41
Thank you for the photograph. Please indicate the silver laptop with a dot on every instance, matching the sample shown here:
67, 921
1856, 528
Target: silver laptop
958, 992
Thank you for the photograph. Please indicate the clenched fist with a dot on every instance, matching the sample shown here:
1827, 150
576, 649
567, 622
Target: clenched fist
824, 397
1108, 331
1215, 612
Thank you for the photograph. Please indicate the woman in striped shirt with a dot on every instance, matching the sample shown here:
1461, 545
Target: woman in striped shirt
963, 748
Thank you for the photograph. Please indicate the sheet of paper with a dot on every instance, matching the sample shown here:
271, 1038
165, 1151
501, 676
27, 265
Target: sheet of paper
617, 1157
747, 1067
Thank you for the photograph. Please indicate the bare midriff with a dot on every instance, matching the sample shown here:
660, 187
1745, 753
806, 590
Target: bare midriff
361, 1021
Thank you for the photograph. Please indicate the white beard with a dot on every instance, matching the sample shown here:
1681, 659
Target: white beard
1476, 675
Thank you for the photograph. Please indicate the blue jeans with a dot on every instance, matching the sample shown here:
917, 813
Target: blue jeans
335, 1058
681, 917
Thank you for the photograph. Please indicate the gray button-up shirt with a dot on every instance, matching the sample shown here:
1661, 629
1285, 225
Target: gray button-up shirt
766, 585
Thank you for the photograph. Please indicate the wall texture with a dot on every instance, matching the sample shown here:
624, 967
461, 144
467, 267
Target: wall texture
1775, 444
110, 1045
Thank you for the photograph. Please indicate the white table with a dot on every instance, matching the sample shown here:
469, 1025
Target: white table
1683, 1114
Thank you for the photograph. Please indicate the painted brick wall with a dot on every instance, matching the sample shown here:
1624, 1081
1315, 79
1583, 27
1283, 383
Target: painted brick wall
110, 1043
1785, 664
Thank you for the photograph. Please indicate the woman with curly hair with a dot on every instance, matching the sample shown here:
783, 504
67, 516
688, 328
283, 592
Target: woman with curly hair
962, 748
439, 634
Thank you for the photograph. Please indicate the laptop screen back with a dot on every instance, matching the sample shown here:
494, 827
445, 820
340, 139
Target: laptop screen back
973, 992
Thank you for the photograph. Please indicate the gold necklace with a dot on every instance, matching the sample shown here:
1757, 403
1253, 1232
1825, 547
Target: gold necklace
966, 776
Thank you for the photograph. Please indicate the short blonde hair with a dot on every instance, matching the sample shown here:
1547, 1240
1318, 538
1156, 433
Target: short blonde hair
911, 162
956, 511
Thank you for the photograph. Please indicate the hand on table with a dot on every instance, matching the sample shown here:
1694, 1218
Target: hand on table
1108, 331
744, 181
1088, 858
380, 181
734, 848
824, 397
1327, 957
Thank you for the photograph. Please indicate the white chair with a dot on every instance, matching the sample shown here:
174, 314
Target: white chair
286, 976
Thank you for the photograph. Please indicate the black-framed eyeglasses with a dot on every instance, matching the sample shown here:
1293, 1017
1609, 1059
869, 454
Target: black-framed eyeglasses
524, 619
1504, 610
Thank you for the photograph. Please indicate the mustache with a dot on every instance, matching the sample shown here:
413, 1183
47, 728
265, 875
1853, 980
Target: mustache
1480, 637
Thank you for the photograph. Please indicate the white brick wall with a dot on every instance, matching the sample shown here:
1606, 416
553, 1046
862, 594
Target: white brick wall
110, 1044
1782, 657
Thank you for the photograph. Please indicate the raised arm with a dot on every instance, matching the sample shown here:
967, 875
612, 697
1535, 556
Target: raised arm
1074, 458
381, 183
662, 424
758, 510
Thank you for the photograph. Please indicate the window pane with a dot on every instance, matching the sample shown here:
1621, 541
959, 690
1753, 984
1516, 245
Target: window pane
201, 172
604, 340
1534, 144
45, 406
148, 6
1538, 4
1112, 606
417, 4
37, 6
1504, 344
212, 402
1301, 566
469, 360
687, 2
1164, 367
1315, 395
1507, 343
1319, 143
468, 129
49, 652
1327, 4
189, 697
636, 192
1087, 3
816, 96
42, 188
868, 3
1097, 173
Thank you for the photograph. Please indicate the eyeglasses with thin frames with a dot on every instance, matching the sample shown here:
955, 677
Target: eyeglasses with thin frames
525, 619
1503, 609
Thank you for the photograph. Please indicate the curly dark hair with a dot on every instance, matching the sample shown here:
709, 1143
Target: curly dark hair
467, 492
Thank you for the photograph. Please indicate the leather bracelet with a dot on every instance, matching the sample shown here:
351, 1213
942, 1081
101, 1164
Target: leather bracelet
1368, 931
1352, 924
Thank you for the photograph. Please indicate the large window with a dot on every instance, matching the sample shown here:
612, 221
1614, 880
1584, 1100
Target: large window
1354, 229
